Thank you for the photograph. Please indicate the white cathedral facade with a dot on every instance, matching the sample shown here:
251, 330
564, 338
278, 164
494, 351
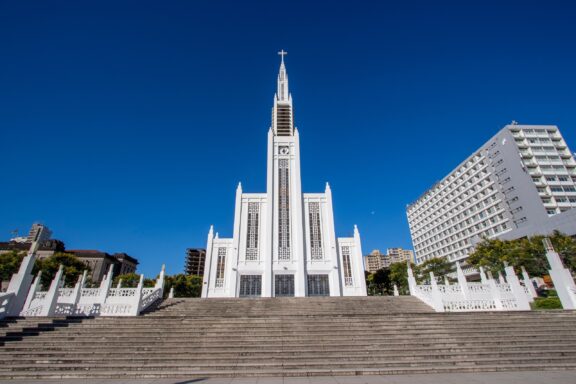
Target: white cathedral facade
283, 241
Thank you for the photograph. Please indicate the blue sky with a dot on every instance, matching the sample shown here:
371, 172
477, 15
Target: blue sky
126, 126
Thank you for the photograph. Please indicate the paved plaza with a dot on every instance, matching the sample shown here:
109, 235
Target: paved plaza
524, 377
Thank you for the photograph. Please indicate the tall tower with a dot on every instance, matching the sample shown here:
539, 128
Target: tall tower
283, 242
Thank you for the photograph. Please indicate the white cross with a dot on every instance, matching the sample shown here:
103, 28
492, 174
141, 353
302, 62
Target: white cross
282, 53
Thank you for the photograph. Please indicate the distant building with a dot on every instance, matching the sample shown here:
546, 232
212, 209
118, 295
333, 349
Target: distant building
521, 182
375, 261
99, 263
38, 232
398, 255
195, 258
46, 248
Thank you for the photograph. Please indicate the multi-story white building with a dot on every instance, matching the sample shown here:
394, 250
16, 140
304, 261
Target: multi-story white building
283, 242
516, 184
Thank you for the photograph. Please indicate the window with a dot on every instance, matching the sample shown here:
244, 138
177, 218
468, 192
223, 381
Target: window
348, 281
250, 286
252, 232
315, 231
318, 285
220, 266
284, 210
284, 285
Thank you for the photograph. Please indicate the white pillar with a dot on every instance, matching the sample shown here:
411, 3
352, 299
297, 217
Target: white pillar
501, 279
233, 256
528, 283
105, 285
396, 291
208, 264
561, 277
138, 297
517, 289
462, 282
331, 246
32, 292
78, 288
20, 282
446, 281
51, 299
496, 296
483, 278
411, 281
171, 293
119, 284
358, 265
436, 294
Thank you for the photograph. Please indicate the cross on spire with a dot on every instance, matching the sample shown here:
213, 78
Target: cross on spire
282, 53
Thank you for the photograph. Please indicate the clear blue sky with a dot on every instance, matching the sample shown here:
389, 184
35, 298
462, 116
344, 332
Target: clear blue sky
126, 126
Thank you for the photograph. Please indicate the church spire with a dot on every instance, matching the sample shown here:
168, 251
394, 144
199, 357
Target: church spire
282, 91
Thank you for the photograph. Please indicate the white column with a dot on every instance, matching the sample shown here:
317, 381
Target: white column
483, 278
436, 294
496, 296
51, 299
105, 285
267, 252
297, 227
501, 279
20, 282
446, 281
207, 278
517, 289
137, 300
462, 282
32, 292
411, 281
119, 284
561, 277
528, 283
171, 293
358, 265
331, 246
396, 291
231, 274
78, 288
160, 280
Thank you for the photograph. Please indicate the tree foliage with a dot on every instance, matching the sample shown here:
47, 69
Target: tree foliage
379, 283
184, 285
73, 268
131, 280
9, 264
399, 275
437, 265
492, 254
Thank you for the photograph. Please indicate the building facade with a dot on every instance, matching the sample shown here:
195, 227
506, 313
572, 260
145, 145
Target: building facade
375, 260
195, 260
100, 262
399, 255
520, 179
283, 241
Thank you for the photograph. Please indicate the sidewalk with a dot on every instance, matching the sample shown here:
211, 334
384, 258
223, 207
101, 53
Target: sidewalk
524, 377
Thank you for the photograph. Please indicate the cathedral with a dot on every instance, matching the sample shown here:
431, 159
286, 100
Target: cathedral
283, 242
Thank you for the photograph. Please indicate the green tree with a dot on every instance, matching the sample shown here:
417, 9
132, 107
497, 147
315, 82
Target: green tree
379, 283
131, 280
492, 254
9, 264
438, 265
399, 275
73, 268
184, 285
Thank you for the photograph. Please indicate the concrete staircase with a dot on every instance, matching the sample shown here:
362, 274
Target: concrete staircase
186, 338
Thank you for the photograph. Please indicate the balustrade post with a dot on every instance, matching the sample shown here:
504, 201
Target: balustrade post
462, 282
528, 283
396, 293
171, 293
78, 288
411, 281
501, 279
32, 293
137, 300
446, 281
51, 299
561, 277
517, 289
105, 286
21, 282
436, 294
495, 293
483, 278
119, 284
160, 280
